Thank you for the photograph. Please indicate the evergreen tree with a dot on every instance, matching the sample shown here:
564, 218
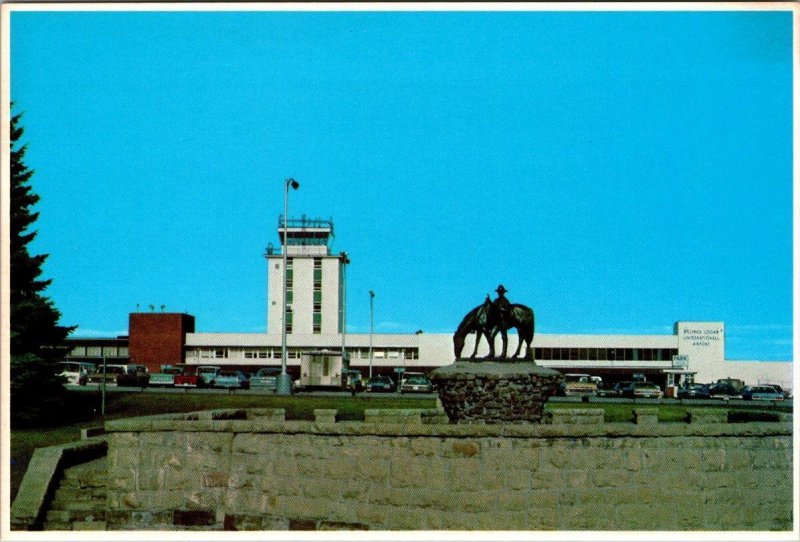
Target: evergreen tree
37, 341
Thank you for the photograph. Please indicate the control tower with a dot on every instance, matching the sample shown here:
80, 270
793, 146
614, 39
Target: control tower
313, 277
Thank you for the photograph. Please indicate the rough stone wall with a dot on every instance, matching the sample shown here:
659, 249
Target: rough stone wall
402, 473
492, 392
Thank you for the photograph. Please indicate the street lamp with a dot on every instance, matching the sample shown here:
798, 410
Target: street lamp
371, 322
283, 384
344, 261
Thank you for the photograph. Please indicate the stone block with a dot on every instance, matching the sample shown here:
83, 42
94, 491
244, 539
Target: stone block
309, 467
246, 522
373, 470
554, 457
131, 500
516, 479
356, 490
249, 501
150, 479
89, 526
341, 526
159, 458
182, 478
251, 464
193, 518
428, 475
122, 478
604, 478
393, 416
662, 460
124, 457
251, 443
547, 480
425, 446
325, 415
310, 508
579, 416
208, 460
645, 416
215, 479
302, 525
712, 460
209, 442
465, 475
339, 469
123, 440
468, 448
271, 414
321, 488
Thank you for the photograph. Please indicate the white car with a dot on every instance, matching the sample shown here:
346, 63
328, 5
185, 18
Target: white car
73, 371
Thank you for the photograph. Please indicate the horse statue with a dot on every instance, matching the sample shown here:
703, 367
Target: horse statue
519, 317
473, 322
487, 320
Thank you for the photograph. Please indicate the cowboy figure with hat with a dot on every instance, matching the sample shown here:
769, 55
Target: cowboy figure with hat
501, 305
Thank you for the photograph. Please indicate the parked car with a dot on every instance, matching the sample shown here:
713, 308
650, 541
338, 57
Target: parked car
134, 375
693, 391
787, 394
112, 371
73, 372
723, 390
265, 378
761, 393
208, 373
406, 375
166, 376
735, 383
380, 383
231, 380
352, 380
189, 379
578, 384
615, 390
642, 390
417, 383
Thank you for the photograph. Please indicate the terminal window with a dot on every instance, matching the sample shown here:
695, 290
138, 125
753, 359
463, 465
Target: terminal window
606, 354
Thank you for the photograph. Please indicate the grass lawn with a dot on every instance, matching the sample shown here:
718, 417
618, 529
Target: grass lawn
623, 412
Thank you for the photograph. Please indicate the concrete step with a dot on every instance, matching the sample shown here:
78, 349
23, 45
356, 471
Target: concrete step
66, 495
57, 526
69, 517
90, 474
79, 503
78, 506
89, 526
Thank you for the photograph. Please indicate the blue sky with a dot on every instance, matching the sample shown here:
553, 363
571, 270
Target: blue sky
615, 171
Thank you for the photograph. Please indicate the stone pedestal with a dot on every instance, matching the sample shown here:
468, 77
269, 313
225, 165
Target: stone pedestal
495, 392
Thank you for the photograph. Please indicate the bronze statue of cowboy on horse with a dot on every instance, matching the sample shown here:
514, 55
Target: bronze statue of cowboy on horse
493, 317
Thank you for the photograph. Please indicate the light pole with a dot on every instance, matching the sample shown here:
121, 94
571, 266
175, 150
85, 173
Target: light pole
344, 261
371, 322
103, 394
283, 384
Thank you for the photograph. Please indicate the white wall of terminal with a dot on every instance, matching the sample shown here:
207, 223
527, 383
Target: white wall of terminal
700, 347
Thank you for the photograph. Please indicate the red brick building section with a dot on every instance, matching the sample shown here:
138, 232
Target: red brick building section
158, 338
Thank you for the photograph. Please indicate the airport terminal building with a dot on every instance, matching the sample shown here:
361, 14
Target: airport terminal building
316, 318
